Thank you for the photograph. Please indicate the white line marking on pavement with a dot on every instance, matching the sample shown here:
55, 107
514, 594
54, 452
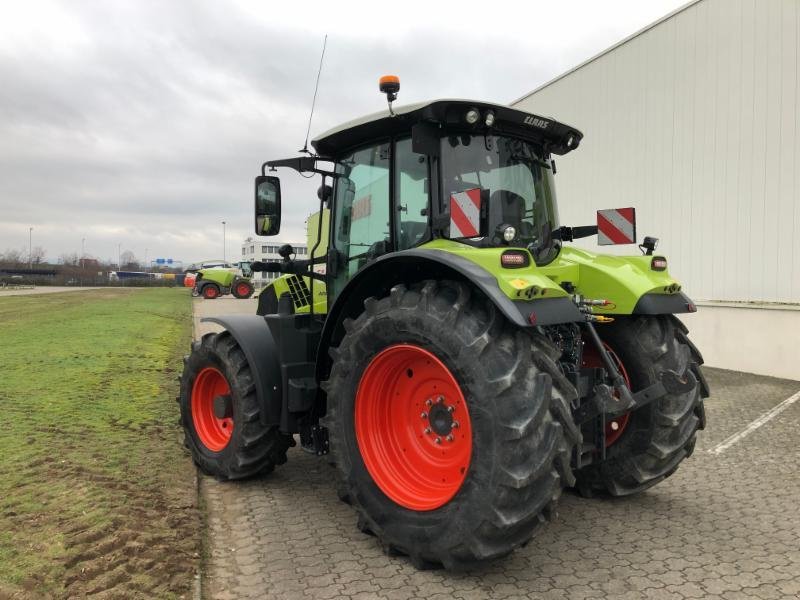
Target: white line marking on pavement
767, 416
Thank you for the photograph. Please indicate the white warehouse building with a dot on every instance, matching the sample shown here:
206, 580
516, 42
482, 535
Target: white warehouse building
254, 249
694, 122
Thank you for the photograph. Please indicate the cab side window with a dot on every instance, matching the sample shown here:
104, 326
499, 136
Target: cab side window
362, 207
411, 195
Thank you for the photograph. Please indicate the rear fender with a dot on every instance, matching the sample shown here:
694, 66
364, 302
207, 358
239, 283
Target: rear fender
256, 341
411, 266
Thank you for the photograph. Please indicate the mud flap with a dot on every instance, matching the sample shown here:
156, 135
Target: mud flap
255, 338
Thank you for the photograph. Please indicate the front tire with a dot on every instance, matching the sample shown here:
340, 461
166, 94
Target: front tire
210, 291
660, 435
221, 415
439, 348
242, 289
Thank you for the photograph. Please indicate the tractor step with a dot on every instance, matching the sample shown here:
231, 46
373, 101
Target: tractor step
314, 440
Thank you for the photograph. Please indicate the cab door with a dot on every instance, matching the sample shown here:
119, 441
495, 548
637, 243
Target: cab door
361, 228
411, 191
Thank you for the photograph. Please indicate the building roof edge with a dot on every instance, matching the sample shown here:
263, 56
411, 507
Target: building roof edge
622, 42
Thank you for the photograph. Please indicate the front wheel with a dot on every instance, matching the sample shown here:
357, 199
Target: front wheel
210, 291
648, 445
242, 289
220, 413
449, 427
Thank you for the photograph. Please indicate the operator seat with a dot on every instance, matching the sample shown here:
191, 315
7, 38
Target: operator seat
506, 207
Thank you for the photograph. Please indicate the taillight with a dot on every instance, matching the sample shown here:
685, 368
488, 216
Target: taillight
514, 259
659, 263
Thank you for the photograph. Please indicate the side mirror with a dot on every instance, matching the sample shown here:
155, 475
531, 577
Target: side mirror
268, 205
616, 226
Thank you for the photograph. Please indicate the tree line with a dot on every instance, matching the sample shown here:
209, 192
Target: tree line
13, 258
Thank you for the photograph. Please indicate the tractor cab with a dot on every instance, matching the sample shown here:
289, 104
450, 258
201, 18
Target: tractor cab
477, 173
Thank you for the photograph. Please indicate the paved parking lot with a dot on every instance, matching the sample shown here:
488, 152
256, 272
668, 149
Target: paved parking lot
726, 525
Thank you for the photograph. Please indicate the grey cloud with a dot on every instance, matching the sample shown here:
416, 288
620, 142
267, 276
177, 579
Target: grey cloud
149, 132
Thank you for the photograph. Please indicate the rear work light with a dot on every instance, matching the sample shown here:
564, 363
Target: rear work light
514, 259
659, 263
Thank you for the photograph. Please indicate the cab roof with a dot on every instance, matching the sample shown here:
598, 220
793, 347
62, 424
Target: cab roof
449, 115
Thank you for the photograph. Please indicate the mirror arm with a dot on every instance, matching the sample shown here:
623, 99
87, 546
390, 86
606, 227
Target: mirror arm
301, 164
567, 234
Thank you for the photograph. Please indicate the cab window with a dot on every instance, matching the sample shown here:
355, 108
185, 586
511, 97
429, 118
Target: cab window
411, 195
362, 229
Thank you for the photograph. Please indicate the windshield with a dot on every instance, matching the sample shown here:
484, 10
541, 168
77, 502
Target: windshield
515, 180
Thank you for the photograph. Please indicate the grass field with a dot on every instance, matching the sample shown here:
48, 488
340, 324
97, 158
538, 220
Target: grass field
96, 492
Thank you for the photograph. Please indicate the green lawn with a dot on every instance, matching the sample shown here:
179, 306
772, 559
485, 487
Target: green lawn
96, 492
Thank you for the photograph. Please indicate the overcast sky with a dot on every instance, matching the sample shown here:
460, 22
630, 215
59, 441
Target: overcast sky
142, 123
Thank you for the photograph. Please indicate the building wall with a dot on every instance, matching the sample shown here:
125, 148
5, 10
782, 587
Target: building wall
740, 337
694, 122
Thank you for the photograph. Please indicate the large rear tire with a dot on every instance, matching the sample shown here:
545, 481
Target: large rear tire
446, 493
659, 436
220, 412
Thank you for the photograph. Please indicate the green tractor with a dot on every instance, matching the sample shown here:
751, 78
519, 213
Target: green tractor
453, 356
213, 283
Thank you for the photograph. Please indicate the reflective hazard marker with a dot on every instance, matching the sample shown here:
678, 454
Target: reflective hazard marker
465, 213
616, 226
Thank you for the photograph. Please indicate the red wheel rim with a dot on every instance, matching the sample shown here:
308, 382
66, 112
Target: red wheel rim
243, 289
407, 399
591, 359
214, 433
210, 291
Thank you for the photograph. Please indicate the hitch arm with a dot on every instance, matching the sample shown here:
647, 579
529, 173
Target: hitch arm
604, 402
616, 377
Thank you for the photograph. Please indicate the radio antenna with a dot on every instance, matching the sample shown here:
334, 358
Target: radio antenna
314, 101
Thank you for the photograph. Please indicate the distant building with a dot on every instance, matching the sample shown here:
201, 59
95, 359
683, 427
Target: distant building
253, 250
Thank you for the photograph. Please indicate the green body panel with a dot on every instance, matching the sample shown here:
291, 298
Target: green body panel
621, 279
320, 296
225, 277
517, 284
282, 285
222, 277
312, 227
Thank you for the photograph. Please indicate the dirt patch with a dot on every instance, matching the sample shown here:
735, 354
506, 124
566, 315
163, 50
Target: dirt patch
153, 531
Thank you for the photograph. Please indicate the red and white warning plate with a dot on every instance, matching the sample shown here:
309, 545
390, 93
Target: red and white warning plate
616, 226
465, 213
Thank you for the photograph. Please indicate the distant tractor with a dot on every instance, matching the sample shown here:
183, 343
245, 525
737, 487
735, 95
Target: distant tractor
214, 282
454, 357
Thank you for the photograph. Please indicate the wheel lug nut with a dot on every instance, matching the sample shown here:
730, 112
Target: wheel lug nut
440, 399
438, 440
614, 425
455, 425
423, 415
427, 430
451, 409
428, 402
450, 438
